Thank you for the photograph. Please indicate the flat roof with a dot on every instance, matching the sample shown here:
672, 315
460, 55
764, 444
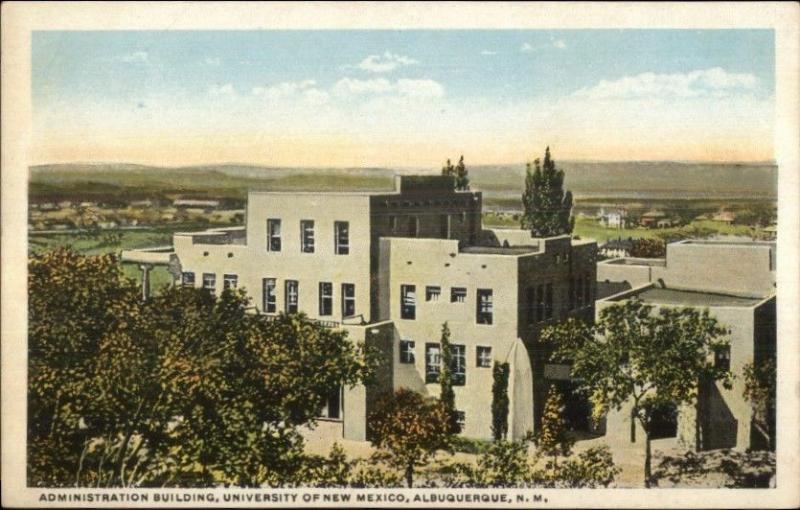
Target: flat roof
660, 296
628, 261
500, 250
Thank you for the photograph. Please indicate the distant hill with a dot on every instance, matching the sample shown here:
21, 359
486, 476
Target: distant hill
584, 178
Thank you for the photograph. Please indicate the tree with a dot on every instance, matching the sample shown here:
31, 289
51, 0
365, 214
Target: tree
649, 248
448, 168
500, 402
447, 395
760, 390
408, 429
637, 357
552, 438
462, 175
547, 207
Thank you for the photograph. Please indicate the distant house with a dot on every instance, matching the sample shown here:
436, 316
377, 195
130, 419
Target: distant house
725, 217
614, 219
142, 203
651, 219
665, 223
616, 248
201, 205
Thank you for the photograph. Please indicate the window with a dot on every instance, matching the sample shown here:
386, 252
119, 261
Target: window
325, 298
209, 281
483, 356
408, 302
484, 306
458, 367
444, 226
548, 302
587, 290
432, 363
539, 303
187, 279
342, 237
348, 300
307, 236
333, 405
722, 358
461, 419
530, 304
268, 294
273, 235
406, 351
432, 293
229, 281
413, 226
458, 295
393, 223
292, 296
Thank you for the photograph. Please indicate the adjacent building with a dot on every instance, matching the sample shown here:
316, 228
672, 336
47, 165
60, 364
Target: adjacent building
391, 268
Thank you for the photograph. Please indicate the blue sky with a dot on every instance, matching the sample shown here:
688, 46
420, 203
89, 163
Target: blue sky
401, 97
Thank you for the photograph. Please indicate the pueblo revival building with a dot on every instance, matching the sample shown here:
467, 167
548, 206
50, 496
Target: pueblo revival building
735, 282
390, 268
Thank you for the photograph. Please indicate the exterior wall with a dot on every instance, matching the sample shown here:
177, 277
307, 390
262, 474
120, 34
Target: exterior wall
252, 262
635, 274
423, 262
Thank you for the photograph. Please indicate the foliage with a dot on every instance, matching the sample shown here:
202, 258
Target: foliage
547, 208
724, 468
760, 382
552, 439
649, 248
500, 402
504, 464
409, 428
182, 387
759, 215
447, 395
460, 173
635, 356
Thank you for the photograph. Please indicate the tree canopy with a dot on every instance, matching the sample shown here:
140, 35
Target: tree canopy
547, 208
459, 171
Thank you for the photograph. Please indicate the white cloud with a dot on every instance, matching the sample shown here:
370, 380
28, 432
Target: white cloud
419, 88
488, 52
404, 87
212, 61
714, 82
385, 63
283, 89
315, 96
222, 90
347, 86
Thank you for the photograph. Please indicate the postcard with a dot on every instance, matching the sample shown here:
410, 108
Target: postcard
400, 255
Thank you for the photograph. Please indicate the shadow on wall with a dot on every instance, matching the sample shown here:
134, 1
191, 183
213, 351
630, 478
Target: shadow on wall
609, 288
718, 426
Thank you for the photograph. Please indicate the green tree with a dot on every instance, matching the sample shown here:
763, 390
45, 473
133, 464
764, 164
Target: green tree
462, 175
760, 390
448, 168
649, 248
500, 403
552, 438
447, 395
408, 429
637, 357
547, 208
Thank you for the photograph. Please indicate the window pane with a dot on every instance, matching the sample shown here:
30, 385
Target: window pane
458, 295
209, 281
342, 237
307, 236
325, 298
408, 302
188, 279
432, 293
229, 281
485, 306
268, 290
459, 364
348, 299
406, 351
484, 356
292, 297
432, 360
273, 235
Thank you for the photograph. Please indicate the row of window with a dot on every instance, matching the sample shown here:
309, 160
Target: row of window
484, 307
341, 236
410, 224
433, 361
539, 298
291, 293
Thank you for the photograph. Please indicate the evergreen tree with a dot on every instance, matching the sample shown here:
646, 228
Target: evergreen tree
448, 168
552, 438
447, 395
547, 207
462, 176
500, 401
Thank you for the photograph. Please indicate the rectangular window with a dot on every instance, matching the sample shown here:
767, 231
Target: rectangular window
307, 236
432, 293
413, 226
209, 281
325, 298
273, 235
406, 351
484, 306
333, 405
530, 304
270, 301
548, 303
444, 226
342, 237
292, 296
432, 363
393, 223
461, 419
458, 369
483, 357
348, 300
408, 302
187, 279
587, 290
229, 281
722, 358
458, 295
539, 303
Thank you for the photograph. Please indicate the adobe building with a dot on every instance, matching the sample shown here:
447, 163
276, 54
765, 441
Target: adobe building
735, 282
390, 268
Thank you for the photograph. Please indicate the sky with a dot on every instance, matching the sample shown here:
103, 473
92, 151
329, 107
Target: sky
401, 98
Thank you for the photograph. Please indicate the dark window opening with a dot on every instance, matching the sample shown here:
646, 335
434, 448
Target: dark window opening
408, 302
325, 298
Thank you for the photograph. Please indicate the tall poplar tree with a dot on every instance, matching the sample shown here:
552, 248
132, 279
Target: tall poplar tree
547, 207
447, 395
